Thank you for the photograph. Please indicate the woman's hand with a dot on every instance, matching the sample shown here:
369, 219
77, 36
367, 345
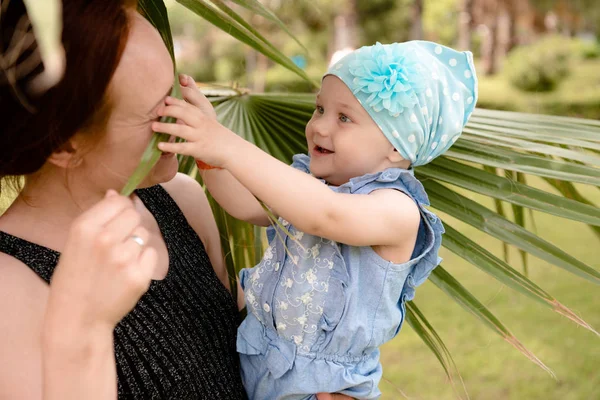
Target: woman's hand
206, 139
104, 269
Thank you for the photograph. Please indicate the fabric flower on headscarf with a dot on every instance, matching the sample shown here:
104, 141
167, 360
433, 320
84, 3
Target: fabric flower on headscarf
390, 75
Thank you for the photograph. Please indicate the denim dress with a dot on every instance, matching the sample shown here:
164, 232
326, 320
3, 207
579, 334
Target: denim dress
318, 310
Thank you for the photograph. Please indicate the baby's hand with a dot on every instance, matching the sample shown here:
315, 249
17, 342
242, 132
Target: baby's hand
206, 139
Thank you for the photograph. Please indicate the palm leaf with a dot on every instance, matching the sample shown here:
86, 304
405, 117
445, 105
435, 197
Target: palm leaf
561, 150
446, 282
422, 327
275, 122
224, 18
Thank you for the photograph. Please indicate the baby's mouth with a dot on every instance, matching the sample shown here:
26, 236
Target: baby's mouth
323, 150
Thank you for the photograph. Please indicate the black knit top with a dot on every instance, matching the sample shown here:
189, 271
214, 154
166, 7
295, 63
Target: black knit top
179, 341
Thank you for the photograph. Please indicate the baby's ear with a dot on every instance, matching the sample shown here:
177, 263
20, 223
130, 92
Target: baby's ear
397, 160
394, 155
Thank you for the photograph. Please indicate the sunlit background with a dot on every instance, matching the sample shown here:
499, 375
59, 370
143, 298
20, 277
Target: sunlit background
531, 56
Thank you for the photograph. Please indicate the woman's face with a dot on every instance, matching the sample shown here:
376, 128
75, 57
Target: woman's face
141, 82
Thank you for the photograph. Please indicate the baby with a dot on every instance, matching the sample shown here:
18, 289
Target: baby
355, 237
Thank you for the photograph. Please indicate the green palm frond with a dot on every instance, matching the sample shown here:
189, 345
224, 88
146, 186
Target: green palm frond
493, 159
275, 122
223, 17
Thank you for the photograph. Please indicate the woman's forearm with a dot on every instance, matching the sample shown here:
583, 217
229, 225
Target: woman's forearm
78, 364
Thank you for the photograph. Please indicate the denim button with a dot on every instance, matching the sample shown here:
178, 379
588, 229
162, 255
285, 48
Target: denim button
266, 307
277, 266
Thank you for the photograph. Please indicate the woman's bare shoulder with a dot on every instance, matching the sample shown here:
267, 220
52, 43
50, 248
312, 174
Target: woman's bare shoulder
191, 199
23, 298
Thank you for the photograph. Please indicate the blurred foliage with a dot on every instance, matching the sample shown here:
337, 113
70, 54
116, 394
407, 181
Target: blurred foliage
541, 66
577, 96
219, 58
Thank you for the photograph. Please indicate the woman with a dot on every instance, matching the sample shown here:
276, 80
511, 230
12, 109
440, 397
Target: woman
86, 136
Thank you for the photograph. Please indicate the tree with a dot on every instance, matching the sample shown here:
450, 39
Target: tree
465, 24
416, 29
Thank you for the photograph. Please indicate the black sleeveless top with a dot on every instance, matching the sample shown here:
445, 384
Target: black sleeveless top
179, 342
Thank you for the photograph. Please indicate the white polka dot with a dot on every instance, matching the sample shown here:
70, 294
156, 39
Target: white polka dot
395, 134
452, 62
411, 139
438, 50
455, 96
339, 66
468, 74
424, 111
433, 145
413, 118
428, 92
470, 100
444, 138
440, 121
457, 125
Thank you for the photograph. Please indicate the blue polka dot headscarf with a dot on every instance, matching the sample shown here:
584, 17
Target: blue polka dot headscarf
419, 93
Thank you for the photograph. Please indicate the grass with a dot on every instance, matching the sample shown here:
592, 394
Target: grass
490, 367
577, 96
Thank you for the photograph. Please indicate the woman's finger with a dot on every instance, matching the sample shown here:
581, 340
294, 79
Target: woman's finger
140, 273
134, 243
94, 219
121, 226
179, 130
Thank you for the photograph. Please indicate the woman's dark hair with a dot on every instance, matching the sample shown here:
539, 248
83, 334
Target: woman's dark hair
33, 127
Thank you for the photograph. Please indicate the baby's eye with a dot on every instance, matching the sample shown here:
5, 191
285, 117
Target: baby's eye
344, 118
320, 109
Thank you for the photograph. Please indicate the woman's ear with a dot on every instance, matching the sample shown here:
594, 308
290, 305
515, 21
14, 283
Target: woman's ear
66, 156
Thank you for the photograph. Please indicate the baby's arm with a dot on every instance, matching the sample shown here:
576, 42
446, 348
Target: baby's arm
383, 218
227, 191
238, 201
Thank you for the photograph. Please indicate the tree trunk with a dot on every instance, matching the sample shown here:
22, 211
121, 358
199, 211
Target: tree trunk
488, 44
465, 24
416, 28
511, 8
344, 31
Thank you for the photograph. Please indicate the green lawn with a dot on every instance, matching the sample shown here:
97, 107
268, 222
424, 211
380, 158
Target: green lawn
577, 96
490, 367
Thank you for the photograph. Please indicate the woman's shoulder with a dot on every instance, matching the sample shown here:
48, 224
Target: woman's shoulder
191, 199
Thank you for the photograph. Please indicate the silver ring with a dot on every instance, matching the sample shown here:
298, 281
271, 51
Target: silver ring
138, 240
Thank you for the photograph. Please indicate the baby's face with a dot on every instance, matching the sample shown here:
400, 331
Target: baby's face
343, 140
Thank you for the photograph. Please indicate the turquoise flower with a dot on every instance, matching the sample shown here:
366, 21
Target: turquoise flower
390, 74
